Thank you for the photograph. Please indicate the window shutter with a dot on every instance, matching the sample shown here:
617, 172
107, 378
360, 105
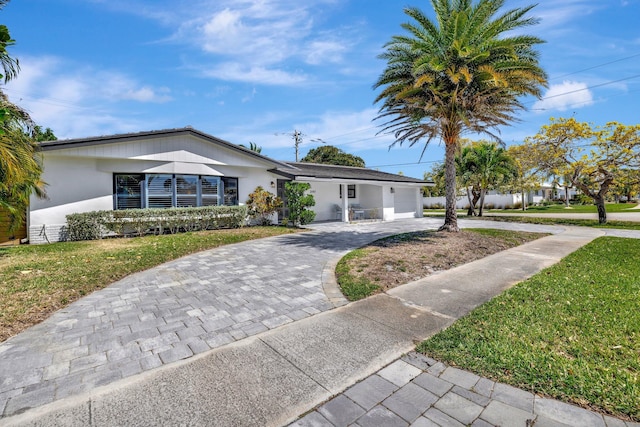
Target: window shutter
160, 190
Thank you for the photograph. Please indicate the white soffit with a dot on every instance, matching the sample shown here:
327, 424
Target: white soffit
178, 156
184, 168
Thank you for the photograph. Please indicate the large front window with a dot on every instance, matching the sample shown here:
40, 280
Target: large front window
173, 190
128, 190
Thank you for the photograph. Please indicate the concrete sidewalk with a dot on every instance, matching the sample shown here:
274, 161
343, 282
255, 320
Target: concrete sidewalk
271, 378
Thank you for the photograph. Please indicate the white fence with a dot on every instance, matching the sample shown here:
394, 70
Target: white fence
500, 201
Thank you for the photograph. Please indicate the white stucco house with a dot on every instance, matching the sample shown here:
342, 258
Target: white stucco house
185, 167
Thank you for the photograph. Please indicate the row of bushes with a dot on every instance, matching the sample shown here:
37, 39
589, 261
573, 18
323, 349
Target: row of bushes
98, 224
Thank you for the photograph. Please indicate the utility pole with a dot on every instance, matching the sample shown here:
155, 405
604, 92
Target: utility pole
297, 140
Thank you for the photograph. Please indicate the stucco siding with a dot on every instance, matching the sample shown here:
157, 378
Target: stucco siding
326, 196
73, 185
176, 148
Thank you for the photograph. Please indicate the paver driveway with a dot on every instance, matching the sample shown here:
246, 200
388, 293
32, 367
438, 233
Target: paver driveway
177, 310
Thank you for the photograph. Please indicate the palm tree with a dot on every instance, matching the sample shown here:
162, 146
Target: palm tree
20, 166
485, 166
457, 74
8, 64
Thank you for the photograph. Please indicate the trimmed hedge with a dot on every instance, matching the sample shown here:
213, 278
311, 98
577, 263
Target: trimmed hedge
98, 224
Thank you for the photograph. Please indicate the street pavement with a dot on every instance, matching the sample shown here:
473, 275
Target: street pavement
251, 334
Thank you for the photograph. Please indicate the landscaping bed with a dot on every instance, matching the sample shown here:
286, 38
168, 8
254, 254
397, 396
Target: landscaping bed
403, 258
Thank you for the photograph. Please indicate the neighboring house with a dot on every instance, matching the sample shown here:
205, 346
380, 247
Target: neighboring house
185, 167
545, 193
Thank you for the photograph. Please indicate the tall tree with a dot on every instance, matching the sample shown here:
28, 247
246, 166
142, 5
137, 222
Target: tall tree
20, 166
10, 66
253, 147
529, 174
330, 155
592, 158
463, 72
435, 175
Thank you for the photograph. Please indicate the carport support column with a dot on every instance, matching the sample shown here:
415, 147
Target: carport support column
345, 203
388, 203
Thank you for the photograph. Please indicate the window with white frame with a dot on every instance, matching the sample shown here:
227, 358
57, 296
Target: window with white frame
173, 190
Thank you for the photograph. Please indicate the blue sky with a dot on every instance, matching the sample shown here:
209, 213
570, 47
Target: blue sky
256, 70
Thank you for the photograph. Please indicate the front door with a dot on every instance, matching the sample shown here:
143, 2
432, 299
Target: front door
283, 212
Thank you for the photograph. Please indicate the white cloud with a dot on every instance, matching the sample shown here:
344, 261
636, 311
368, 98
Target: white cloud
322, 51
80, 102
257, 41
564, 96
352, 131
234, 71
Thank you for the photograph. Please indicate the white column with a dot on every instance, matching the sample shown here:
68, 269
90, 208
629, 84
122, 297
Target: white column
345, 203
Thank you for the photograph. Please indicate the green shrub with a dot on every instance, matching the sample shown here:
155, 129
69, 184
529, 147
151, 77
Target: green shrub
298, 202
262, 204
97, 224
86, 226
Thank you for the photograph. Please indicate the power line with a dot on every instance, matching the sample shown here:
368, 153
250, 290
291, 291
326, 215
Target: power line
587, 88
597, 66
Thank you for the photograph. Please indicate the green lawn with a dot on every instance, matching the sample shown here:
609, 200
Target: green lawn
624, 225
555, 208
36, 280
571, 332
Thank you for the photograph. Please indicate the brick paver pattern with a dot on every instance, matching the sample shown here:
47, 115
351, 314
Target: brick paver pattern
419, 391
176, 310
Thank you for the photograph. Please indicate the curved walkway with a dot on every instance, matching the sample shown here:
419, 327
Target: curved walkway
208, 300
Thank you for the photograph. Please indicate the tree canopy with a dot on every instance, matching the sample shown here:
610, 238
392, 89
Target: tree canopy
483, 166
462, 72
592, 158
330, 155
20, 165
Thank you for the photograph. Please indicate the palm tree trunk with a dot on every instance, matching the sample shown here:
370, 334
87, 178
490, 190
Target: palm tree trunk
451, 217
472, 210
482, 193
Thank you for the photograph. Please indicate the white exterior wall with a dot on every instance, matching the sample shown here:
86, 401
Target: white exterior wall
370, 199
81, 179
73, 185
327, 196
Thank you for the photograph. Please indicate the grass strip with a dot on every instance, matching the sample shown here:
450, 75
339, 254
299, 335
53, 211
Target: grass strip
572, 332
623, 225
36, 280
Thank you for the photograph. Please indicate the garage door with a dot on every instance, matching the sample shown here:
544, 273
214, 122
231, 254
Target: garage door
405, 202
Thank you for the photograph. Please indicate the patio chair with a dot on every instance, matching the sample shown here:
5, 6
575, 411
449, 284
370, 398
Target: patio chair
356, 211
337, 210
